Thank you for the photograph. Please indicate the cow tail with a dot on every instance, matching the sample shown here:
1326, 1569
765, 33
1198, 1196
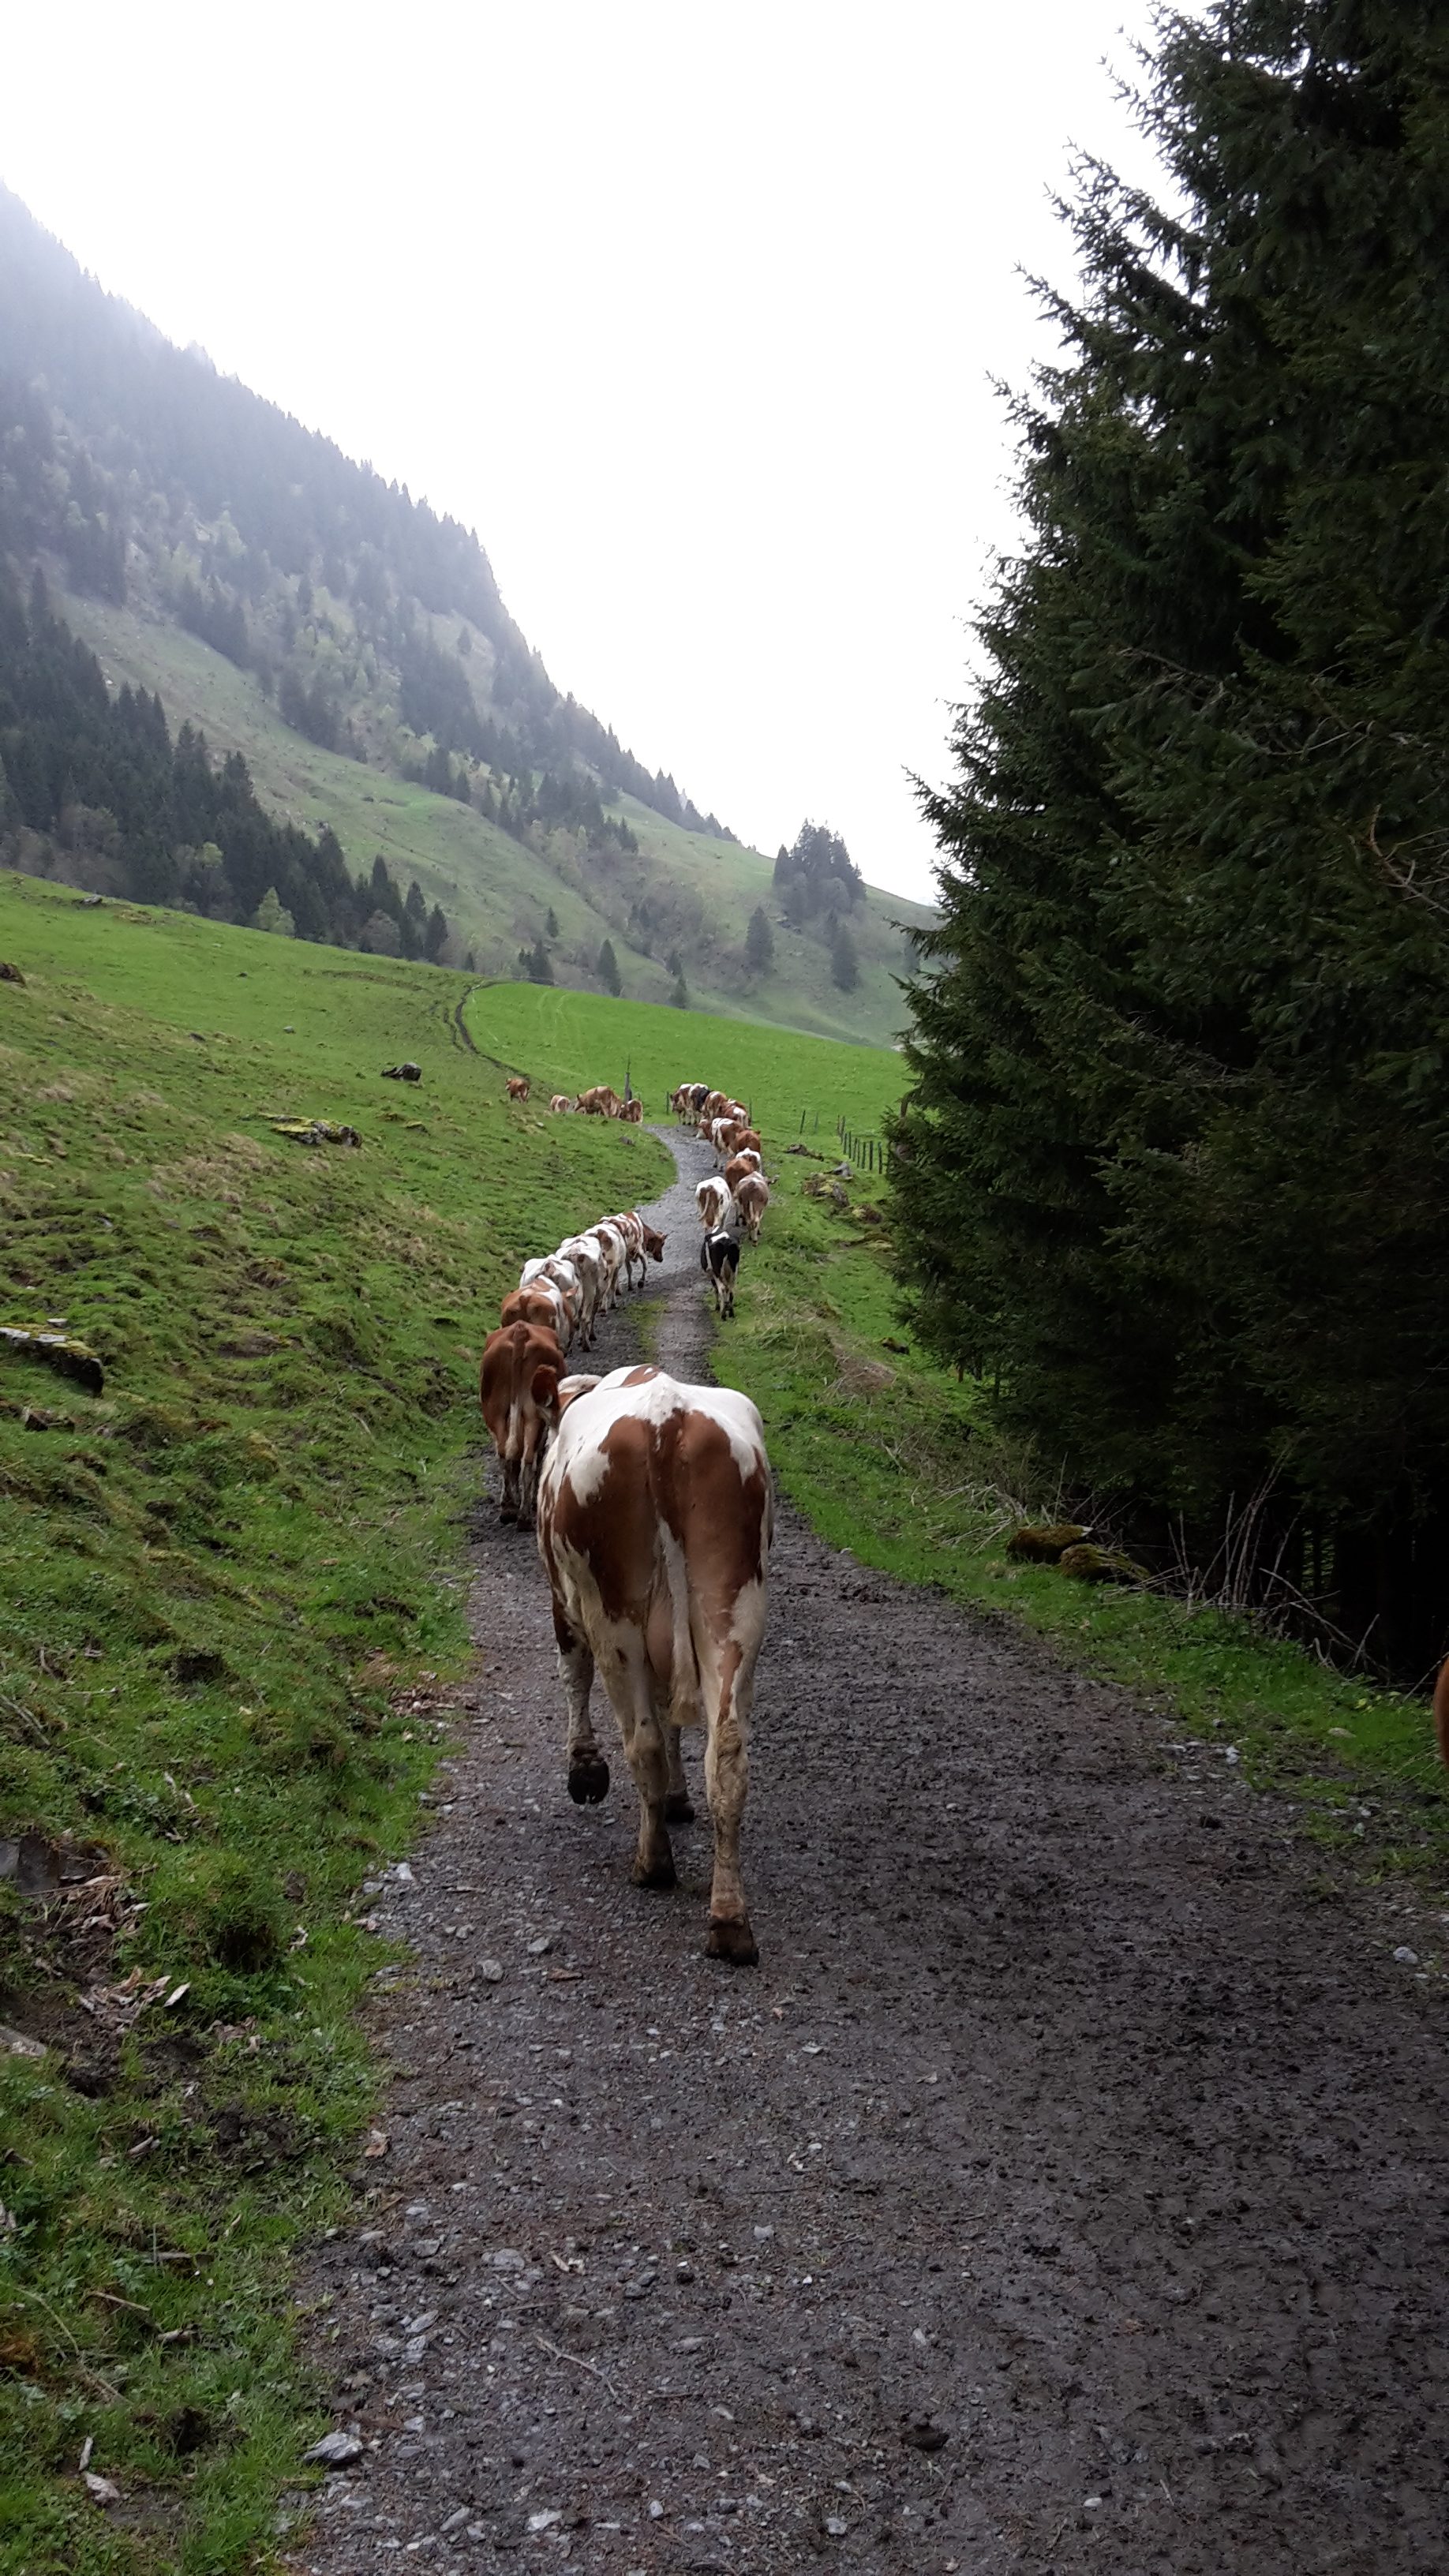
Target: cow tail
685, 1702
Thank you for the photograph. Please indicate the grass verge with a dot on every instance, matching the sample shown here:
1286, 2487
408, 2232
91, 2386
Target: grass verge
887, 1455
231, 1626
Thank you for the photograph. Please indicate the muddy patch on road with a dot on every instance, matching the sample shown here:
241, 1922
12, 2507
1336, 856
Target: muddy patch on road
1065, 2189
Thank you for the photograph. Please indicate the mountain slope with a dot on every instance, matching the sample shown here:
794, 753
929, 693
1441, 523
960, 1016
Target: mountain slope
353, 648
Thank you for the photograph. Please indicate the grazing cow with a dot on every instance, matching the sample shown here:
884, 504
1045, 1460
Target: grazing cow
632, 1113
719, 1254
512, 1359
518, 1086
713, 1202
654, 1524
601, 1102
752, 1198
541, 1303
560, 1103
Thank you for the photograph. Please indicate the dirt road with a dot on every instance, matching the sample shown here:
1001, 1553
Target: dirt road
1066, 2189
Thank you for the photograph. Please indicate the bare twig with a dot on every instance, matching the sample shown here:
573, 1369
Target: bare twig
579, 2363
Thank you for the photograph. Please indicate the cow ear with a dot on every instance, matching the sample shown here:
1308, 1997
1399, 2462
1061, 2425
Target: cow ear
571, 1387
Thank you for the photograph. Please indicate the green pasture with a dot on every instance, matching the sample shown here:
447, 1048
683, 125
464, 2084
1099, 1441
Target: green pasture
231, 1614
888, 1455
569, 1041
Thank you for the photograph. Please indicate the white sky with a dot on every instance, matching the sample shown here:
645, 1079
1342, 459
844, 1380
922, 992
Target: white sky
691, 311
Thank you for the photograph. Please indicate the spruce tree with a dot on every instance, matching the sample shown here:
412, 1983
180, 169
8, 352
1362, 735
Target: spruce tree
759, 943
1174, 1164
609, 975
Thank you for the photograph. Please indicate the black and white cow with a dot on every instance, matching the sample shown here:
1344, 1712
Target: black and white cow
719, 1254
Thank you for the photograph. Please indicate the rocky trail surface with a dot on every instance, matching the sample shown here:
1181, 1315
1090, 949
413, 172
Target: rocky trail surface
1065, 2190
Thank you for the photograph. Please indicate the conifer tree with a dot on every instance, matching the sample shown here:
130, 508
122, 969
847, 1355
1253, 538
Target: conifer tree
759, 943
1175, 1163
609, 975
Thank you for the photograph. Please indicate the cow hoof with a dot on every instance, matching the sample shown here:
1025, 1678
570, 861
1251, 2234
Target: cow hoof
655, 1873
589, 1781
506, 1512
732, 1941
679, 1808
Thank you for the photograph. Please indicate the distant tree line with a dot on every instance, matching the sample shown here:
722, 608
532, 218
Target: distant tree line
94, 790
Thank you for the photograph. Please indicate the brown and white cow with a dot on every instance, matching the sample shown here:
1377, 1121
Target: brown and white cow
518, 1086
632, 1113
739, 1168
542, 1303
600, 1102
713, 1201
568, 1282
559, 1103
752, 1198
513, 1358
654, 1522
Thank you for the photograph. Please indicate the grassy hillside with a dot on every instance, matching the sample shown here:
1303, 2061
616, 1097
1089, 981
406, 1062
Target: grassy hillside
567, 1041
698, 891
222, 1582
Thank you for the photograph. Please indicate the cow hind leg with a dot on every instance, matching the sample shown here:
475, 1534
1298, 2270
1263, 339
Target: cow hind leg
632, 1692
588, 1771
727, 1774
678, 1805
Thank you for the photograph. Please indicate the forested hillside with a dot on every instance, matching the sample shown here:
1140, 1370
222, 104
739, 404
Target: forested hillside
1176, 1166
332, 633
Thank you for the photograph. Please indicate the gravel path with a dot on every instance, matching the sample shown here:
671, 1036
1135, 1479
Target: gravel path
1065, 2190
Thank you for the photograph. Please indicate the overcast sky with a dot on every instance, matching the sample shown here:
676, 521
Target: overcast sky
693, 312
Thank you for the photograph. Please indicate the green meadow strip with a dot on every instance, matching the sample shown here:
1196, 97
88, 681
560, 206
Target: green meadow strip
232, 1636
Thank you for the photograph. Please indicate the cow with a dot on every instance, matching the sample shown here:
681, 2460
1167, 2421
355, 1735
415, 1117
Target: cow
601, 1102
632, 1113
560, 1103
513, 1358
752, 1198
565, 1278
698, 1095
543, 1303
614, 1246
629, 1224
654, 1523
719, 1254
737, 1169
713, 1202
749, 1142
721, 1136
518, 1086
586, 1257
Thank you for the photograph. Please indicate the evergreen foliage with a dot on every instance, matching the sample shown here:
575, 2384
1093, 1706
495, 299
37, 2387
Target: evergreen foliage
609, 975
844, 962
1175, 1166
817, 875
759, 943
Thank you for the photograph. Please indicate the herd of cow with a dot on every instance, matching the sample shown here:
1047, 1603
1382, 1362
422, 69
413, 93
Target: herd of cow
654, 1508
740, 1192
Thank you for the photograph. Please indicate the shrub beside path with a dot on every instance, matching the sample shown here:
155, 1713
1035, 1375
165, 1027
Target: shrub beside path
1065, 2189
